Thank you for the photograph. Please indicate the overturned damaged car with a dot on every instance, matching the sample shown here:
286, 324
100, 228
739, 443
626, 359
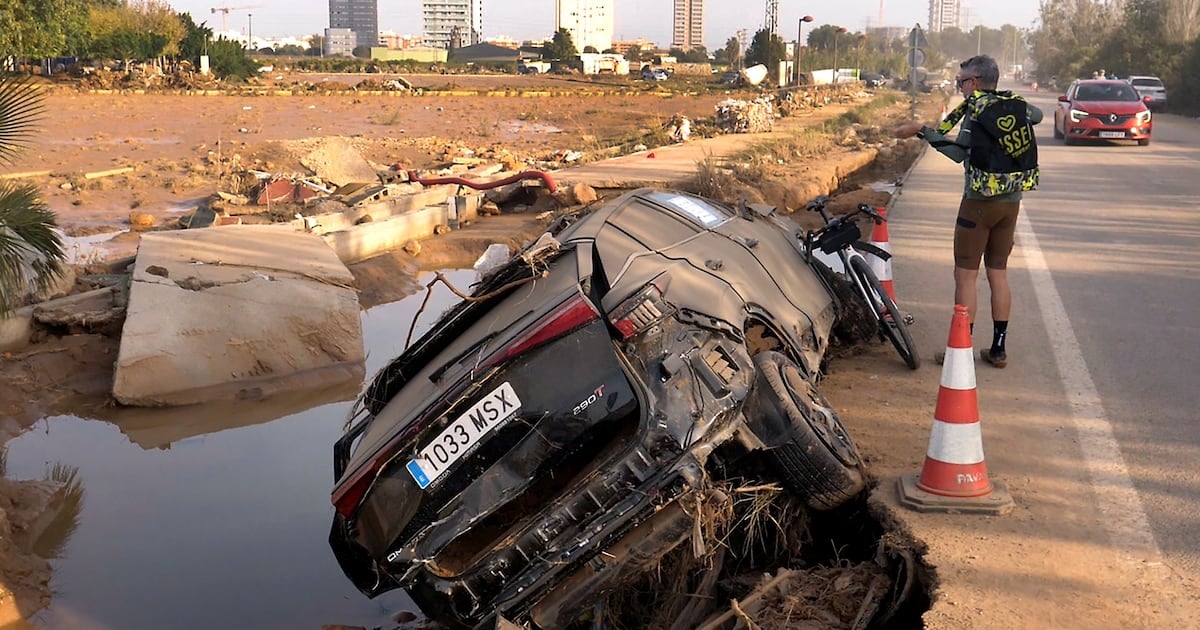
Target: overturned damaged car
532, 450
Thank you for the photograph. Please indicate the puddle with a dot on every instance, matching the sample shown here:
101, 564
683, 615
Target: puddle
82, 250
522, 127
887, 187
214, 516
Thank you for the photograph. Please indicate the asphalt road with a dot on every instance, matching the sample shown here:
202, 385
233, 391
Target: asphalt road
1094, 422
1118, 227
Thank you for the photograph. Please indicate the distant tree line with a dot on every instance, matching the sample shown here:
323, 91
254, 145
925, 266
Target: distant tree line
127, 30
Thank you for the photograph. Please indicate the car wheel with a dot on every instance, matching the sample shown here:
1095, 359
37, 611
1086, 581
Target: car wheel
818, 462
1144, 142
1058, 135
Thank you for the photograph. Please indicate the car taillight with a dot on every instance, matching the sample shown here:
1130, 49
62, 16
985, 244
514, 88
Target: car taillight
348, 498
565, 318
643, 309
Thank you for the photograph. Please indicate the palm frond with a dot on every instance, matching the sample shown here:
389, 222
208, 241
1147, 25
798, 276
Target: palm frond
21, 106
31, 250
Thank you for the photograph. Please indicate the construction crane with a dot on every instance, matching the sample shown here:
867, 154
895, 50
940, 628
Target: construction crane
225, 14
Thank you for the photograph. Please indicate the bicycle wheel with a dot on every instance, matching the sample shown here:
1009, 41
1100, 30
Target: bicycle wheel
891, 322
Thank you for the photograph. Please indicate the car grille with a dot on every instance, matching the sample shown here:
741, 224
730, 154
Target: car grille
1112, 119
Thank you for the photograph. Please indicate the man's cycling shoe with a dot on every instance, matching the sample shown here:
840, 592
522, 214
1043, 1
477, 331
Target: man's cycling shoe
998, 359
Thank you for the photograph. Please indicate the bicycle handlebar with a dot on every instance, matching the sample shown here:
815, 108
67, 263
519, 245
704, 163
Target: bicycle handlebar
818, 205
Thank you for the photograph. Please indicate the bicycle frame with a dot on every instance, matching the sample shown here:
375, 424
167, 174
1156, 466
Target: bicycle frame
841, 238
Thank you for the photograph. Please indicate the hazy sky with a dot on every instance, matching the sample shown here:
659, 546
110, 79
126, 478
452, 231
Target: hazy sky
651, 19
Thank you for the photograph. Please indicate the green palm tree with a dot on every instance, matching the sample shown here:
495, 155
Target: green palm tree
31, 251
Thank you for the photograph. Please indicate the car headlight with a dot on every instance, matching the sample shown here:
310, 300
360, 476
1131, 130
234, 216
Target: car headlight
1078, 115
1143, 118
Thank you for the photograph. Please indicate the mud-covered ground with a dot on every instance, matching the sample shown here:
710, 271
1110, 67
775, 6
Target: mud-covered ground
181, 149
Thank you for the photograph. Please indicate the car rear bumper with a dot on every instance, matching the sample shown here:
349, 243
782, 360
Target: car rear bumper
510, 559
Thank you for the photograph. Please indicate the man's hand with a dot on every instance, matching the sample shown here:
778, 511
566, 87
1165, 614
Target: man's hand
907, 130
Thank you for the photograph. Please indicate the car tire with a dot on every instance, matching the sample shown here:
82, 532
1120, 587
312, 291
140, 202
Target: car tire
1144, 142
1058, 135
818, 462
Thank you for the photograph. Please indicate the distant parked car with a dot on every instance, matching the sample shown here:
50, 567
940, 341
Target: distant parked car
1102, 109
872, 79
535, 445
1151, 87
655, 74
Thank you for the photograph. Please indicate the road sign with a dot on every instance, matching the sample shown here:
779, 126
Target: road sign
916, 38
916, 57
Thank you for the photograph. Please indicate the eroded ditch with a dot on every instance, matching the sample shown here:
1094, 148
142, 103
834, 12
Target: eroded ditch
844, 568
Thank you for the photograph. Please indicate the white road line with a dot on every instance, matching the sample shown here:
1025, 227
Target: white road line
1120, 506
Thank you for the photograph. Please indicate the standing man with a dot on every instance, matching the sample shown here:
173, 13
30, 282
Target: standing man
997, 148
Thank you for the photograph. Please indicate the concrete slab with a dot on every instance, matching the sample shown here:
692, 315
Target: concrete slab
234, 312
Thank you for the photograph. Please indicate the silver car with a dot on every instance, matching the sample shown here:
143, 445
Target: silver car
1151, 87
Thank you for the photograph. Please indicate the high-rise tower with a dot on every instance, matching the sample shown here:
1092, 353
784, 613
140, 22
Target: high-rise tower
452, 23
944, 14
358, 16
687, 31
590, 22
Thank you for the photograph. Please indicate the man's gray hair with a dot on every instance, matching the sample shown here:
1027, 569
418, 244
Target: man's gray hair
983, 67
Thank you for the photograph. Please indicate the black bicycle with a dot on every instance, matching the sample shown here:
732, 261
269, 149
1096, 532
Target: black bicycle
841, 236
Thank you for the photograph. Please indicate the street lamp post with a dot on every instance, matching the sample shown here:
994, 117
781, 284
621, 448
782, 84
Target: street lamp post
858, 59
250, 32
840, 30
800, 43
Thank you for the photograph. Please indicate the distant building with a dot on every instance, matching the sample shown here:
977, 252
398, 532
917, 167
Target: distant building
417, 53
339, 42
644, 45
944, 14
453, 23
484, 53
503, 40
360, 16
888, 33
688, 25
401, 42
590, 22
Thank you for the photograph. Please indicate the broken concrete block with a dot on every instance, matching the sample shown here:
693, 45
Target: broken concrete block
249, 309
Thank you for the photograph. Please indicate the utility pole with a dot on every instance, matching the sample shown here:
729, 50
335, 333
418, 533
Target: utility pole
742, 38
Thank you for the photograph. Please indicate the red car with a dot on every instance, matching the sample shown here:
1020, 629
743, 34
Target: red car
1102, 109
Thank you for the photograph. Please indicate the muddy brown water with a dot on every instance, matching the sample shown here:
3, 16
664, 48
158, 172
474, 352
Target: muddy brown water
211, 517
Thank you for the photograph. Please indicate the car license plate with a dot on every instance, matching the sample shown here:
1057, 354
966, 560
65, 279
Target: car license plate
1112, 134
464, 434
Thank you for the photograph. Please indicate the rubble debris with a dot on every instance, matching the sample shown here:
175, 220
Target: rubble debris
108, 173
100, 311
739, 116
679, 128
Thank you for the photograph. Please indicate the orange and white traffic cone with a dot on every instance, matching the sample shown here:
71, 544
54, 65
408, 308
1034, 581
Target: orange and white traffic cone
955, 476
942, 116
881, 267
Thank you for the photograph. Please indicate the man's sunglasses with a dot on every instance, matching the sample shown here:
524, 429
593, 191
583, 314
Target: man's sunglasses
958, 83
